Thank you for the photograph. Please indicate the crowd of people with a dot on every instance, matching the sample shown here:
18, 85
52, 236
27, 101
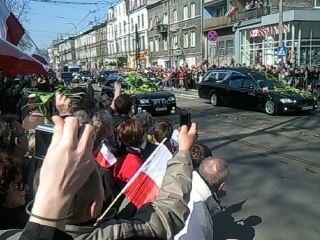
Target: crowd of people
97, 147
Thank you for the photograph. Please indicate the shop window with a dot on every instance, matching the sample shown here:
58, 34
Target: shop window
221, 48
229, 47
317, 3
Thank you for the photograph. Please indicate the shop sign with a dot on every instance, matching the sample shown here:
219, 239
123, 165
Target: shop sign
268, 31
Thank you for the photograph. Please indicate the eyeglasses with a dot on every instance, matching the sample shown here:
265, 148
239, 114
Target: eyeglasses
20, 186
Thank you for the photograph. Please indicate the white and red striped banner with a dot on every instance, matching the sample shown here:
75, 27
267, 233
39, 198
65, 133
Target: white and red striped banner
144, 186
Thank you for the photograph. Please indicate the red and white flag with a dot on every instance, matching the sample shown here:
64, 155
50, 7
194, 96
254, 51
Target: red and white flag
18, 53
14, 61
10, 27
144, 186
105, 158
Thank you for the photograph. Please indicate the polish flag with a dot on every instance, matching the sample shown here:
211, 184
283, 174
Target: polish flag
14, 61
144, 186
105, 158
10, 27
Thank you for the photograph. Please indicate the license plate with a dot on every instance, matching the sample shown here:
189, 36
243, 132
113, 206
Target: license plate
307, 108
161, 109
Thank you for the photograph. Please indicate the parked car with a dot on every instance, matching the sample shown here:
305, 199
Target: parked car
155, 103
247, 88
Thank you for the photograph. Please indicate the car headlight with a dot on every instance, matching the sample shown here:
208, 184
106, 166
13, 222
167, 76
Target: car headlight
144, 100
171, 98
287, 100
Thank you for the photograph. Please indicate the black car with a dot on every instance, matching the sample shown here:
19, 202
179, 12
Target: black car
247, 88
86, 75
66, 77
104, 76
155, 103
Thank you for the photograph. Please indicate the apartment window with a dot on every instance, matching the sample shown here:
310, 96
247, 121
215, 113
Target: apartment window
185, 12
115, 31
165, 18
193, 39
151, 45
138, 22
125, 45
150, 23
174, 41
133, 44
175, 15
131, 23
317, 3
142, 43
120, 29
221, 49
185, 39
156, 44
165, 44
142, 20
124, 27
229, 47
192, 10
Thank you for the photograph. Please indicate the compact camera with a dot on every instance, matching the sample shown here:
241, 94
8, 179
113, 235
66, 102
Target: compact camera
43, 136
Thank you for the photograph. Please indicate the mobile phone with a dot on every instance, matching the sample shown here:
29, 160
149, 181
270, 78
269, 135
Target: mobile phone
185, 119
43, 136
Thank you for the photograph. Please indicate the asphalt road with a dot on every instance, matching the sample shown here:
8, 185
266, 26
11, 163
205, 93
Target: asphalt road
273, 190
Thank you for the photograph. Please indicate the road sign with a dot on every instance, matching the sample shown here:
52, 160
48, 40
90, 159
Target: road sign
282, 51
212, 43
212, 35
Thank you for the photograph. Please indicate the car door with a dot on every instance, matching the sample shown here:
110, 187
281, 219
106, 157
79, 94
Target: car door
206, 86
249, 92
232, 94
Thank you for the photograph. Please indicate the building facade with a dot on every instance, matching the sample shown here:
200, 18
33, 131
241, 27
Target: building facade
175, 36
257, 34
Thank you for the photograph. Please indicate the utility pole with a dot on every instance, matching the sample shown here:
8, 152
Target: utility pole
280, 22
137, 47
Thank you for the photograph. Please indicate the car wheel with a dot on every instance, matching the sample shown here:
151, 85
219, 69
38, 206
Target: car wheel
214, 99
270, 107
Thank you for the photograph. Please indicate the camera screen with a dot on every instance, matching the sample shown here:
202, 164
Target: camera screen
185, 118
43, 136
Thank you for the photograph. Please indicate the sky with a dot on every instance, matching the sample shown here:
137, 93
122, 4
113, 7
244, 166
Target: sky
50, 20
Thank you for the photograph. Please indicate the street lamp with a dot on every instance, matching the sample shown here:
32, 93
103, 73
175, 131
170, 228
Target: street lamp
75, 26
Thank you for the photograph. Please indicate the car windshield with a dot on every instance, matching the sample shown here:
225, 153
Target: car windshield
270, 84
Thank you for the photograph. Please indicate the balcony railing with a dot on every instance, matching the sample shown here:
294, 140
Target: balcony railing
250, 14
162, 28
216, 22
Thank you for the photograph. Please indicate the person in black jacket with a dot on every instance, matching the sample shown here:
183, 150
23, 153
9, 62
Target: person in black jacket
11, 94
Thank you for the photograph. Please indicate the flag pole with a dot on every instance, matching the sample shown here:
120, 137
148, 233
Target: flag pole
99, 219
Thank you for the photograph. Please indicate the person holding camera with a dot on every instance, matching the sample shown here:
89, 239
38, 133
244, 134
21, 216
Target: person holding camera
66, 168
